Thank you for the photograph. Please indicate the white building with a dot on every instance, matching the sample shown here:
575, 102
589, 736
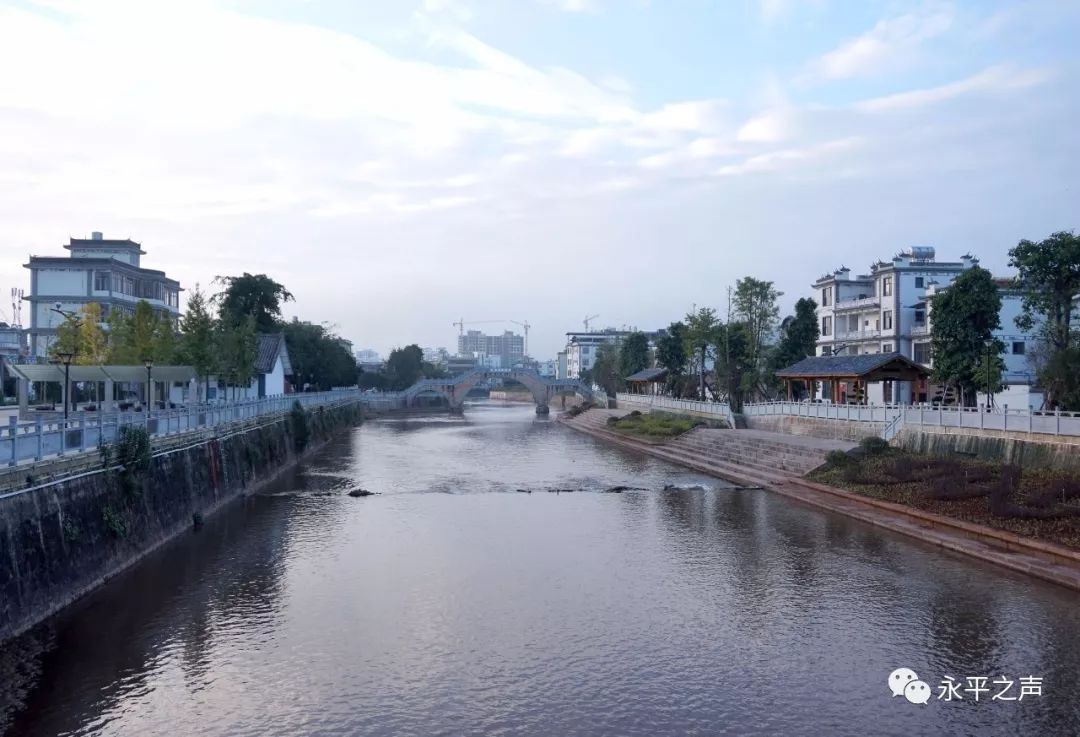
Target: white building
582, 348
272, 373
888, 311
107, 272
548, 369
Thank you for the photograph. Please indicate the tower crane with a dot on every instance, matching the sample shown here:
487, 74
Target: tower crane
587, 319
460, 324
526, 326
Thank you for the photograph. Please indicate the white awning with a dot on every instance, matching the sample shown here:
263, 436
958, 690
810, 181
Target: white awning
136, 374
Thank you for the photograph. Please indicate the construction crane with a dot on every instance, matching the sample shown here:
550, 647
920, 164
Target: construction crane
587, 319
525, 325
460, 324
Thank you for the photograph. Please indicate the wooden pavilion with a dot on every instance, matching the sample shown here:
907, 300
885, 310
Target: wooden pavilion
836, 372
647, 381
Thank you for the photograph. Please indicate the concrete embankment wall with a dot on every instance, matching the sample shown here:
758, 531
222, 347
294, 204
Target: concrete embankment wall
60, 540
1040, 451
815, 427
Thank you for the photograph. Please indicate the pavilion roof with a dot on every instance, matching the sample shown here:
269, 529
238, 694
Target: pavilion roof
870, 367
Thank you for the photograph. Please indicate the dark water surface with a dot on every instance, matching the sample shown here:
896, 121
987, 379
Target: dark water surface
452, 604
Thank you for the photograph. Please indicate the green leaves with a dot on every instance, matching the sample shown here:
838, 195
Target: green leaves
633, 354
964, 316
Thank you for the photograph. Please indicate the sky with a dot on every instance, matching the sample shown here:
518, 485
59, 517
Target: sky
401, 165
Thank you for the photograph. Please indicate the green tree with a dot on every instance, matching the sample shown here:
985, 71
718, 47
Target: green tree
93, 348
196, 345
633, 354
404, 367
702, 329
1049, 276
735, 376
236, 344
320, 359
798, 337
252, 294
671, 354
963, 317
605, 369
755, 306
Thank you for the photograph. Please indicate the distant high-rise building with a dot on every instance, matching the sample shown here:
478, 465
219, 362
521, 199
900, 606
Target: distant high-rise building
509, 347
366, 355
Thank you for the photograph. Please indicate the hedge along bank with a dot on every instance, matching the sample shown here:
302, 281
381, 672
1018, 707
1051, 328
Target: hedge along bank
62, 539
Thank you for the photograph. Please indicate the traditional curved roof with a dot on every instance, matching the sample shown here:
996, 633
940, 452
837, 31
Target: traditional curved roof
852, 367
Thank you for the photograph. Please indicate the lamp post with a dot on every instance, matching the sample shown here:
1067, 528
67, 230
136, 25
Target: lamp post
989, 343
149, 363
65, 358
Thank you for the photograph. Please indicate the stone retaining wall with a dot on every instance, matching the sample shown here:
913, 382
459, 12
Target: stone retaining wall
1039, 451
62, 539
815, 427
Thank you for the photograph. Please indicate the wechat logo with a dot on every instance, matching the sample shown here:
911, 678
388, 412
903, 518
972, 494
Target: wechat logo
905, 682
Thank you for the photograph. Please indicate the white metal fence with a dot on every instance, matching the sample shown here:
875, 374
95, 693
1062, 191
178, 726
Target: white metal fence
1018, 420
23, 441
717, 409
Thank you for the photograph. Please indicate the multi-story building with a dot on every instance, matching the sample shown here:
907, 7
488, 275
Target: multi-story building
888, 310
582, 348
436, 356
508, 347
548, 369
367, 355
99, 270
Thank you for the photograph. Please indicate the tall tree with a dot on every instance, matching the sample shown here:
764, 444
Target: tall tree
93, 347
252, 294
320, 360
197, 338
962, 318
755, 306
236, 345
701, 332
671, 354
798, 335
404, 367
605, 369
1049, 275
136, 337
633, 354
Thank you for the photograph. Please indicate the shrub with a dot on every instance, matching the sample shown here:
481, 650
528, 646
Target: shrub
874, 445
298, 419
839, 459
133, 448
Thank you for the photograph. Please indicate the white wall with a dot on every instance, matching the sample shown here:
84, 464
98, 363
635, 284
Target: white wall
62, 282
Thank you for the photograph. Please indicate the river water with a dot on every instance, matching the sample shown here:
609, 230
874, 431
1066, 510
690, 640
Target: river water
454, 604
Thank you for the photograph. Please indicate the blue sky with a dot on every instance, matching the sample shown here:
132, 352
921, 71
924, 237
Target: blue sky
399, 165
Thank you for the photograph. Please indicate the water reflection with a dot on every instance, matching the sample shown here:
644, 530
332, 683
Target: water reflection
452, 604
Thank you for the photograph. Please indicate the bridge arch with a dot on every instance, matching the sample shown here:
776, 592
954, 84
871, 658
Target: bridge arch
455, 389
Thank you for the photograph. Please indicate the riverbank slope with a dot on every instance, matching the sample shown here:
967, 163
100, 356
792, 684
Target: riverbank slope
777, 469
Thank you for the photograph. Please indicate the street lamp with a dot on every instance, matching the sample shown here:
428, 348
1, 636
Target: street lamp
149, 363
989, 343
65, 358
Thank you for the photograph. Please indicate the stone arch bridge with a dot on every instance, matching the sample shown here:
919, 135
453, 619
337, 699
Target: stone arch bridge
456, 388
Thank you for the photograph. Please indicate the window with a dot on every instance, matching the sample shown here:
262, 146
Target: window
920, 317
886, 286
825, 297
1018, 347
919, 282
826, 326
922, 353
886, 320
886, 348
102, 283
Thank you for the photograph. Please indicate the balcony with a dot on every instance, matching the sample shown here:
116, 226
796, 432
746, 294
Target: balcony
919, 331
857, 334
865, 303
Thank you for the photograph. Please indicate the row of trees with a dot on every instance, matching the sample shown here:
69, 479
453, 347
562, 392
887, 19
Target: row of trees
404, 367
966, 315
744, 349
218, 335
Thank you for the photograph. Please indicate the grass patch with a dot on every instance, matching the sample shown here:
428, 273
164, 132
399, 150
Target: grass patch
1038, 503
652, 426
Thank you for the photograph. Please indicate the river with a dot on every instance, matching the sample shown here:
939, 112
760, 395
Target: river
453, 604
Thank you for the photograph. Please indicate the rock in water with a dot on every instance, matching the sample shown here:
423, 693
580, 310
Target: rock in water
361, 492
620, 489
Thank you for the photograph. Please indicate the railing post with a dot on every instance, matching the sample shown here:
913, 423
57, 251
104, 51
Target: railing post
82, 435
13, 432
1057, 420
40, 439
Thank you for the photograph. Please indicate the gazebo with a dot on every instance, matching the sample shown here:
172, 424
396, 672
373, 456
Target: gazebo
647, 381
836, 372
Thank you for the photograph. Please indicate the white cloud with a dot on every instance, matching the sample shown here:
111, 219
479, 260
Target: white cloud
789, 158
571, 6
995, 80
891, 43
771, 126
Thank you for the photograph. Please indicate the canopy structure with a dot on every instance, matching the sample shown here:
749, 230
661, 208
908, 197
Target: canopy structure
835, 370
646, 381
27, 373
134, 374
